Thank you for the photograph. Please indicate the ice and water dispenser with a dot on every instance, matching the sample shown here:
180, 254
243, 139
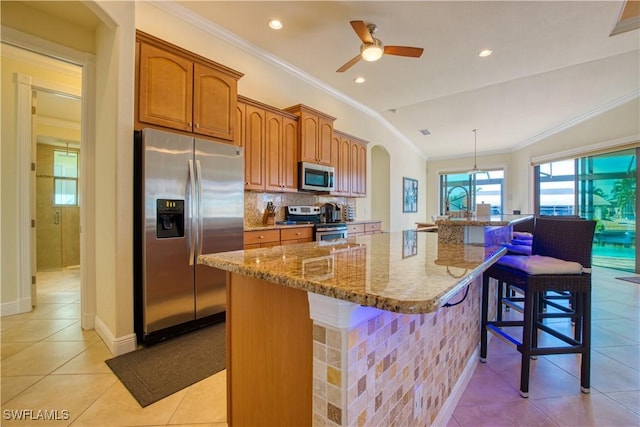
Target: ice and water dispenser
169, 218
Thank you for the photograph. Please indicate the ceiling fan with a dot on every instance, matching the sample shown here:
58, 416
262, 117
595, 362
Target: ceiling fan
372, 48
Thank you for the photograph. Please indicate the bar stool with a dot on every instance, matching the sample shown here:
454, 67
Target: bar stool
560, 262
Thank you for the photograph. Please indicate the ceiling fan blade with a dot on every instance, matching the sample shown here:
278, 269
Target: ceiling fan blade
349, 64
362, 31
413, 52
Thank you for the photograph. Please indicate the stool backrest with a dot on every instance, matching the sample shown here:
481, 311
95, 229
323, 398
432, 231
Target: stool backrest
567, 239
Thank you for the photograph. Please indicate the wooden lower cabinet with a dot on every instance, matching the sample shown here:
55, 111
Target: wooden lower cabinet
261, 239
373, 228
364, 228
276, 237
290, 236
269, 354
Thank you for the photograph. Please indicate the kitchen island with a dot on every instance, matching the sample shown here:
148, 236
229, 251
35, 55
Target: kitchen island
350, 333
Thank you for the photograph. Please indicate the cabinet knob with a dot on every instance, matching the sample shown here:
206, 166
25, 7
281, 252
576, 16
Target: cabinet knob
197, 125
260, 237
298, 233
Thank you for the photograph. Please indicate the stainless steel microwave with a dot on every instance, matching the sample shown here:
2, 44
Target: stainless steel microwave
315, 177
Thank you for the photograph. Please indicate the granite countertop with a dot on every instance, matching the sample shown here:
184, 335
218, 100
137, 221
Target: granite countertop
403, 272
275, 227
483, 221
280, 226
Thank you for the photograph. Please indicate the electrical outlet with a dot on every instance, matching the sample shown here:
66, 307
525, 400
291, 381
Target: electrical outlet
418, 401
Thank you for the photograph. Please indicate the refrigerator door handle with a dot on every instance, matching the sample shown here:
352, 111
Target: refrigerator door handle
192, 217
200, 208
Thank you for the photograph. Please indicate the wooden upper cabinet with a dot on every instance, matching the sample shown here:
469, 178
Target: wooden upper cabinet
273, 152
315, 132
180, 90
281, 153
289, 154
325, 134
340, 153
270, 141
361, 172
350, 161
214, 101
165, 94
254, 148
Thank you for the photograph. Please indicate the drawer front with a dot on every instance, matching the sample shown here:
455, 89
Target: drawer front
262, 236
373, 227
355, 228
296, 233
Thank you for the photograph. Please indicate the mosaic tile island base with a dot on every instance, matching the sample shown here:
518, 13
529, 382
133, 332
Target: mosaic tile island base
350, 333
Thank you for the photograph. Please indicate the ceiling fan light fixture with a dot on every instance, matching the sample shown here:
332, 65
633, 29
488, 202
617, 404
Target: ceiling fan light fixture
372, 51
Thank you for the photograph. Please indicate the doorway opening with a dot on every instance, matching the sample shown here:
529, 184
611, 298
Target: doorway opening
57, 189
48, 143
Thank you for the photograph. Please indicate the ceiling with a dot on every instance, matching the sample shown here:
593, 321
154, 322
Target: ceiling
553, 62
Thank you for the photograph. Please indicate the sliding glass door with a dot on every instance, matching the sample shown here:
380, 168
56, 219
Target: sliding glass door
600, 187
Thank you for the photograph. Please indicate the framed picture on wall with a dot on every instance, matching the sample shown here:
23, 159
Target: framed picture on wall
409, 195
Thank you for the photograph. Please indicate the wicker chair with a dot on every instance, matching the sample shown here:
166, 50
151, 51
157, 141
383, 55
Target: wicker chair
568, 240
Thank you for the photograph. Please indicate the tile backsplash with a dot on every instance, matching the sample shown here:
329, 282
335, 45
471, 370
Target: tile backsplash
256, 202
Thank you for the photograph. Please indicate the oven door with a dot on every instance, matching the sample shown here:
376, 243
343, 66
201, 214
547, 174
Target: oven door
328, 234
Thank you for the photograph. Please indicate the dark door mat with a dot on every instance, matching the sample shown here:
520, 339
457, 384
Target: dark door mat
634, 279
155, 372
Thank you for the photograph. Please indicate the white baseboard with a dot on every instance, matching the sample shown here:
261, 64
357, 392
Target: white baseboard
117, 346
456, 394
16, 307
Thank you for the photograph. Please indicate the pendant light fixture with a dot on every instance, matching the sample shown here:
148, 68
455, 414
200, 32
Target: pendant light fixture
475, 169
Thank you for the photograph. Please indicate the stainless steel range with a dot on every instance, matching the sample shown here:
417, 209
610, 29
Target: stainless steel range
323, 232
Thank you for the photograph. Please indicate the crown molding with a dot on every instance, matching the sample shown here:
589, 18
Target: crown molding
217, 31
577, 120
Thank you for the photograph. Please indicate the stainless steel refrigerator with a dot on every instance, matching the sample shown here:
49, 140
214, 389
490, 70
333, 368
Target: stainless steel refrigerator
189, 200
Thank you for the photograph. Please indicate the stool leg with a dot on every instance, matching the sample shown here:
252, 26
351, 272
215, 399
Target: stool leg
538, 308
576, 302
585, 321
525, 348
485, 315
501, 294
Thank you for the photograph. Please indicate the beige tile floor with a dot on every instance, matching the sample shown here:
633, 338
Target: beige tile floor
49, 363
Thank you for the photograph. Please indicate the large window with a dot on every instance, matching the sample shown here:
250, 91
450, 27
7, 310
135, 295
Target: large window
602, 188
65, 178
462, 191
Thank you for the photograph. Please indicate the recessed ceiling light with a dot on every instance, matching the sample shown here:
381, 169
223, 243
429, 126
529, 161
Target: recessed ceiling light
359, 80
275, 24
484, 53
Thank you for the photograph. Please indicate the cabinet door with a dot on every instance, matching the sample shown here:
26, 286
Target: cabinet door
362, 169
273, 152
254, 172
165, 91
239, 129
325, 135
309, 128
289, 154
214, 101
358, 164
344, 178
